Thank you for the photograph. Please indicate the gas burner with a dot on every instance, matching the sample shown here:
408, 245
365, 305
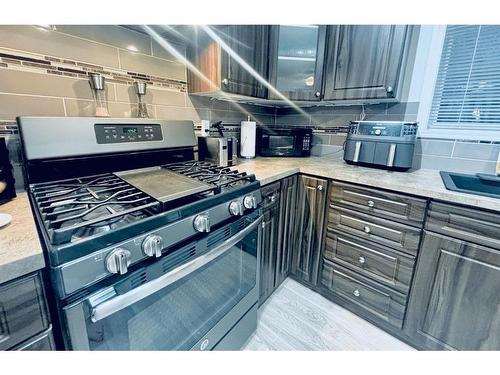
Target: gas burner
223, 178
80, 208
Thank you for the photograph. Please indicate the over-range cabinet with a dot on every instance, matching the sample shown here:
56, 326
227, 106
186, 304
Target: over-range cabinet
309, 228
296, 55
223, 72
279, 201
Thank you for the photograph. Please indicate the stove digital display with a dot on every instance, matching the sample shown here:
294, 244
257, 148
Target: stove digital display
130, 130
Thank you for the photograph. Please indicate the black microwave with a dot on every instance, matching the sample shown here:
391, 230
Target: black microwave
284, 141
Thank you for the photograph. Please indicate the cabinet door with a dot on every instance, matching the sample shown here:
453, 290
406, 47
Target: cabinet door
455, 299
286, 235
270, 231
250, 43
364, 61
296, 61
310, 216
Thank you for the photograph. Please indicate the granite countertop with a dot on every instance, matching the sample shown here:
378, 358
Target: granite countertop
20, 248
422, 182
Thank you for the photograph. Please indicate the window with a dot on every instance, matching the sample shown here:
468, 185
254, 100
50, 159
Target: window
467, 86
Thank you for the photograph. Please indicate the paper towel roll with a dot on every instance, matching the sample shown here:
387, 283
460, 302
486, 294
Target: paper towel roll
248, 135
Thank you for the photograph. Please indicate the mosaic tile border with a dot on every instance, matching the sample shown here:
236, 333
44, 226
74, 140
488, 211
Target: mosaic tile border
77, 69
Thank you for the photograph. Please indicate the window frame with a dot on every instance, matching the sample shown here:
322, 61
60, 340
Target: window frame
429, 50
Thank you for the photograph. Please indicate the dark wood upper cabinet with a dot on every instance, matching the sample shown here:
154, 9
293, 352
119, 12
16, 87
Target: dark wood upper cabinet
364, 62
296, 55
236, 72
455, 300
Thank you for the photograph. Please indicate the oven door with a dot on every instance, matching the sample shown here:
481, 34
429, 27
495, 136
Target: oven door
192, 306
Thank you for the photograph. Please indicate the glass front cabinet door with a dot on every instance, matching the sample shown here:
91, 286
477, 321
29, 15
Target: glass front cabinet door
296, 61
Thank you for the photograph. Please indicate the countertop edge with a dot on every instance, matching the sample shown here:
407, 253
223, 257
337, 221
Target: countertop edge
21, 267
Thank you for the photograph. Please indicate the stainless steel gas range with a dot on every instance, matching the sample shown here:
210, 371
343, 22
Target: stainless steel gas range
147, 249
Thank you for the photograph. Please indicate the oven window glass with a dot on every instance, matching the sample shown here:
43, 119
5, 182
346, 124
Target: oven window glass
180, 315
282, 142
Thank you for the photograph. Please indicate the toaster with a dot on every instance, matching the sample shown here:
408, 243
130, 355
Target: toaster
222, 151
382, 144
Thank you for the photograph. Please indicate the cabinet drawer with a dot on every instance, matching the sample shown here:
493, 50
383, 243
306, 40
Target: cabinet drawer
382, 264
405, 209
41, 342
467, 224
23, 312
396, 235
372, 298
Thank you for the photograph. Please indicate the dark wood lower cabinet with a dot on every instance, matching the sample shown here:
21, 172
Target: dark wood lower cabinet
455, 297
279, 203
309, 228
23, 313
286, 235
270, 232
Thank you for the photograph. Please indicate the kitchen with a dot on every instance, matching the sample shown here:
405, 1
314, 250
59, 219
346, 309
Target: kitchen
269, 186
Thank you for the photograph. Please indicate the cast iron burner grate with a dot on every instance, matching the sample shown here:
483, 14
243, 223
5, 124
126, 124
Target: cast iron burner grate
75, 209
223, 178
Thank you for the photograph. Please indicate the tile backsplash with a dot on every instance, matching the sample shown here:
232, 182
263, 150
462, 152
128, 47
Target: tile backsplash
44, 72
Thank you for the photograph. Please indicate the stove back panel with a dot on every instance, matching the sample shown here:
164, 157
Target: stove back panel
63, 137
56, 148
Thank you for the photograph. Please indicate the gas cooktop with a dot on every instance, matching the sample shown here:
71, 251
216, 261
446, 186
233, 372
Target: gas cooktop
82, 208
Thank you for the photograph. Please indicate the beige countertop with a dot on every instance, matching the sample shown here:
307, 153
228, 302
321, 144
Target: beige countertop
20, 248
422, 182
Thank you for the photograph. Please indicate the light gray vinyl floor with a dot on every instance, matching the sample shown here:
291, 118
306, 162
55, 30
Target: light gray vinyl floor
296, 318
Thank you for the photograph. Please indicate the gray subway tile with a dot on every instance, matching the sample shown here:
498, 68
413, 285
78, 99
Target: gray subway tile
53, 43
117, 36
478, 151
456, 165
432, 147
12, 106
136, 62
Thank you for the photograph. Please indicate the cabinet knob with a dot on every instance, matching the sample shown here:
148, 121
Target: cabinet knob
371, 203
367, 229
273, 197
225, 81
362, 260
317, 94
320, 187
389, 89
356, 293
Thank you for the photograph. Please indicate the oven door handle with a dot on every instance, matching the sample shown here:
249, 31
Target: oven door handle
119, 302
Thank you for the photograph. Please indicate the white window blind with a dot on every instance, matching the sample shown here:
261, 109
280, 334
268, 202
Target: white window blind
467, 92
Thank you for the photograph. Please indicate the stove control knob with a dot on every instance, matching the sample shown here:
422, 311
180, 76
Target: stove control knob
250, 202
118, 261
236, 208
152, 245
202, 223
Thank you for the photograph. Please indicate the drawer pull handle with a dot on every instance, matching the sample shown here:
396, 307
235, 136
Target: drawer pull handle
356, 293
367, 229
371, 203
362, 260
